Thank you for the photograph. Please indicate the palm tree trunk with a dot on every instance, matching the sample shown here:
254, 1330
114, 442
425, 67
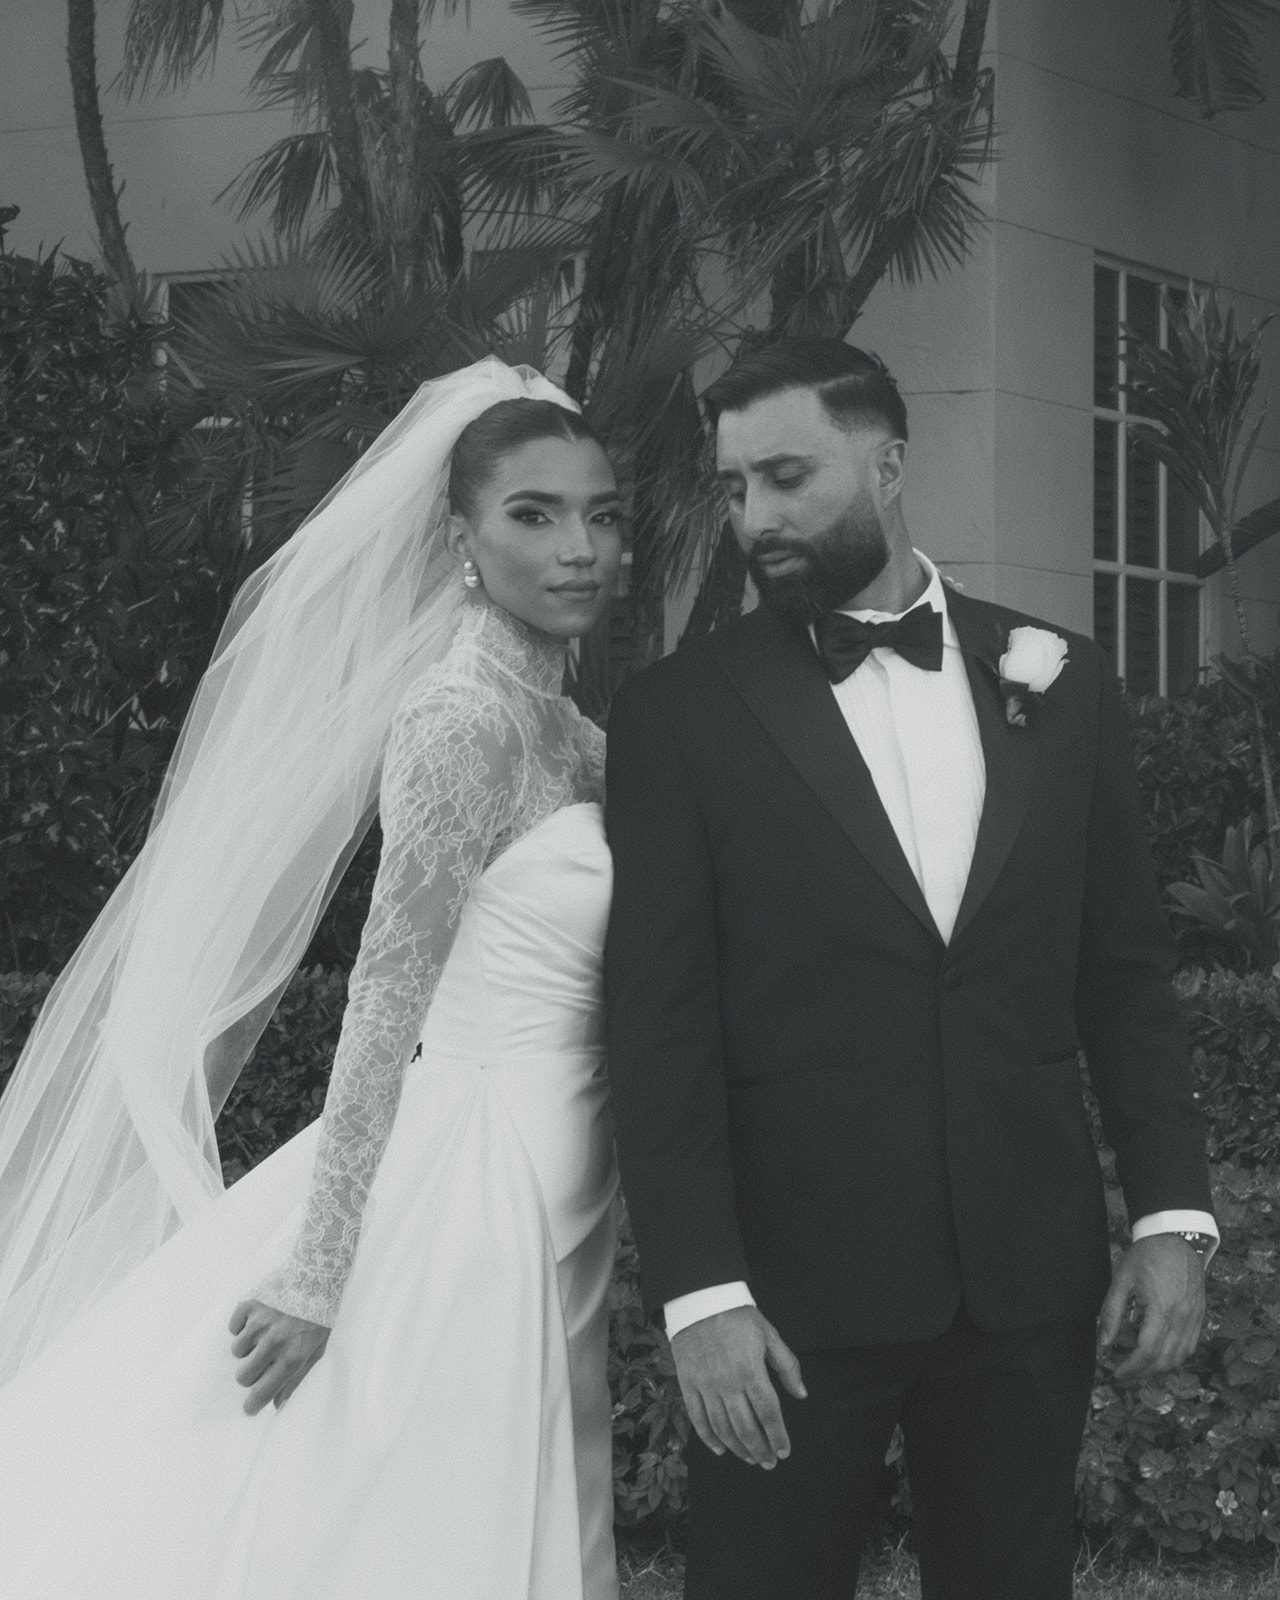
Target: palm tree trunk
605, 234
331, 24
404, 69
104, 197
404, 76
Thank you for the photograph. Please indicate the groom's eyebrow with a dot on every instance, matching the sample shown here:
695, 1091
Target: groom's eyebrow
783, 458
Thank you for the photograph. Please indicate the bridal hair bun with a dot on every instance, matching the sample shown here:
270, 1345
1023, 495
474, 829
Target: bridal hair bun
507, 426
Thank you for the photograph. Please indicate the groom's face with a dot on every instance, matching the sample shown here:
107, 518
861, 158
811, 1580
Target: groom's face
804, 496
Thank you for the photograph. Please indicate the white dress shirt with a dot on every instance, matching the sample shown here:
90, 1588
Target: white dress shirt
918, 733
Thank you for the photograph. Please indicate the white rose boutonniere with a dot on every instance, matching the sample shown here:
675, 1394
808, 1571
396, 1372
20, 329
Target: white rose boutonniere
1032, 662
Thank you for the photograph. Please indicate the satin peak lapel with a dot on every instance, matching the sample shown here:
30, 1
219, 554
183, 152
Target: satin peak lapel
776, 670
1011, 754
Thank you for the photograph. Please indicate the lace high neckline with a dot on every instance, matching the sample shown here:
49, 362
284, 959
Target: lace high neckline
536, 659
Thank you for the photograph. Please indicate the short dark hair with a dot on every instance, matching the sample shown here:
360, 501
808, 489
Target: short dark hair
495, 433
854, 385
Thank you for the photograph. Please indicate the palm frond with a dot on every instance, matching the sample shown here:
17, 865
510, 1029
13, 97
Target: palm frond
528, 329
292, 176
644, 405
490, 95
822, 83
168, 42
427, 9
510, 169
917, 169
499, 278
688, 127
1215, 59
290, 69
266, 273
1195, 397
602, 162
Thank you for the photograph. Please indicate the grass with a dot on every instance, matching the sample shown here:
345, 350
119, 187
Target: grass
891, 1575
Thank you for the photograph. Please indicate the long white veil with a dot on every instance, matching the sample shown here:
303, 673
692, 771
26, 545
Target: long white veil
106, 1131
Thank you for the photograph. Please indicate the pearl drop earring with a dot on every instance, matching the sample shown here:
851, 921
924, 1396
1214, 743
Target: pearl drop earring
470, 575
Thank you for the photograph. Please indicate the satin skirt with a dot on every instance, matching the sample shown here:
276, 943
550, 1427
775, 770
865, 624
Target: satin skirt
453, 1442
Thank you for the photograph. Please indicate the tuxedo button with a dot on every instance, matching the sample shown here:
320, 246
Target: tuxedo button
951, 979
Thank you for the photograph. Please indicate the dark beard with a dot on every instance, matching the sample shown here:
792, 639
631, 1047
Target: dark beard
839, 562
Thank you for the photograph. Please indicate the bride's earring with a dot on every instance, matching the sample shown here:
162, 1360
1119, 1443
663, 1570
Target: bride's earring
470, 574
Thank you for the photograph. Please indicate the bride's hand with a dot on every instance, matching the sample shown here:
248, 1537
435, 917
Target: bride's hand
278, 1351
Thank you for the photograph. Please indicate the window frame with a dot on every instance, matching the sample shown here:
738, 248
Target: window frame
1117, 417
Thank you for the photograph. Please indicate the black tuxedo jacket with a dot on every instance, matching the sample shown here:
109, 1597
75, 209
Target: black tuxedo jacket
812, 1091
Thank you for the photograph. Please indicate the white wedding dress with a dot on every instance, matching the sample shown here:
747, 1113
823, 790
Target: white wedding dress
453, 1442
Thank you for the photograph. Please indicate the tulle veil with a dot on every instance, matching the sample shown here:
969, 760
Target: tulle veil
106, 1131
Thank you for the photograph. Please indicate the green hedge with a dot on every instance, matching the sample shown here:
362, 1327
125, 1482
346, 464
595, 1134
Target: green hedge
99, 632
1191, 1461
1198, 771
1185, 1462
1234, 1021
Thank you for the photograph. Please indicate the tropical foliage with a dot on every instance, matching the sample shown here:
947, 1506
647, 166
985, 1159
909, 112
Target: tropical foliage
744, 171
1197, 770
1236, 901
1234, 1022
99, 632
720, 170
706, 177
1196, 396
1190, 1461
1215, 58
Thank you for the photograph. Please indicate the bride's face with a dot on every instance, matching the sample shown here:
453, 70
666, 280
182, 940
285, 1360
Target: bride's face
544, 534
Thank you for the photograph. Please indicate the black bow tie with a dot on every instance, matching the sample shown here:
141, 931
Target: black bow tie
844, 642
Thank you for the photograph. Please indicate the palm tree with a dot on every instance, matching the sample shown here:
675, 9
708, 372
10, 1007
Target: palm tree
725, 155
281, 374
104, 197
312, 343
720, 170
307, 55
394, 153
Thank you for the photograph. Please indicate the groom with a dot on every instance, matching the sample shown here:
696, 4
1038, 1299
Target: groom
878, 878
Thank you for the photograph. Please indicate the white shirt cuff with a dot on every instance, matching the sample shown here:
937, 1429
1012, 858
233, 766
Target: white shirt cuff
1178, 1222
687, 1309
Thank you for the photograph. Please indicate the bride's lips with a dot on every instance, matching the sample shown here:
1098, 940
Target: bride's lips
576, 591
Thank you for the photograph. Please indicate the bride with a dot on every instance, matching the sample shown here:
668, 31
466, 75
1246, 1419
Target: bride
418, 1280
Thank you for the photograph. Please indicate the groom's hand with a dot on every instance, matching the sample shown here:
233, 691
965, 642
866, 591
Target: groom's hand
277, 1351
1158, 1281
722, 1363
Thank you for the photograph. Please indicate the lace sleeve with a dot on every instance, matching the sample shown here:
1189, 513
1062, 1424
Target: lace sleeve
450, 786
591, 743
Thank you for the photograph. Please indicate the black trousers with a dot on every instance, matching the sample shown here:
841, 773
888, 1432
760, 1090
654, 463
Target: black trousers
993, 1424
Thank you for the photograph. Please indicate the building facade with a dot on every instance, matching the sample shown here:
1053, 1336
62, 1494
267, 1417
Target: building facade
1106, 187
1023, 481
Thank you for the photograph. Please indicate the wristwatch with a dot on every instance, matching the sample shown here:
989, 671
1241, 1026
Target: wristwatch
1201, 1243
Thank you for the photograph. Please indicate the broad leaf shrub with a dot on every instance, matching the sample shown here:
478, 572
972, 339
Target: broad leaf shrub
1234, 1024
1198, 771
21, 996
650, 1425
99, 636
1190, 1461
1232, 910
